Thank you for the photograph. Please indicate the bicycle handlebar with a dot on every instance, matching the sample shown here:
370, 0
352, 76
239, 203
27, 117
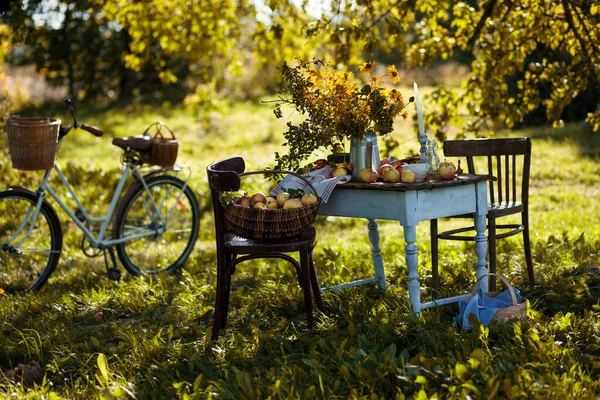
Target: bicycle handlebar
92, 129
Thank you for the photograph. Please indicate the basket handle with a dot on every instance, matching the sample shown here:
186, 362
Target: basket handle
510, 288
159, 125
281, 172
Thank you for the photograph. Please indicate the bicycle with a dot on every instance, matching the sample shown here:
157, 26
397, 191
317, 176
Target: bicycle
154, 225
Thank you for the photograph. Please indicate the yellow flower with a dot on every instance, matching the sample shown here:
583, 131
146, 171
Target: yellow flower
368, 66
393, 73
395, 95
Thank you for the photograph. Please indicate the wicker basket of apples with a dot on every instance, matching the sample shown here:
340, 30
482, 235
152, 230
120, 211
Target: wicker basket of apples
263, 217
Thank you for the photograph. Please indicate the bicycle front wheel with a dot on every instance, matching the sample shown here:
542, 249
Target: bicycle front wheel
29, 246
162, 225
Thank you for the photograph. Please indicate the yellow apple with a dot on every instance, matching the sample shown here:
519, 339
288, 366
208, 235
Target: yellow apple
282, 198
259, 205
292, 203
408, 176
272, 203
339, 171
308, 199
391, 175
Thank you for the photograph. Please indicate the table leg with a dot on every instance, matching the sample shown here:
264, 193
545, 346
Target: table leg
376, 257
412, 263
481, 250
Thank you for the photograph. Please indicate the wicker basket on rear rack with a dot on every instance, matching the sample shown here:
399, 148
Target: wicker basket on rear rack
32, 142
266, 223
164, 149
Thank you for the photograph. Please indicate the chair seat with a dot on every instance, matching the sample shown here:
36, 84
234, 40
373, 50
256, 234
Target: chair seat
239, 245
497, 210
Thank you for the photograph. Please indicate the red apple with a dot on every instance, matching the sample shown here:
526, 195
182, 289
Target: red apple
244, 201
447, 172
383, 168
368, 175
385, 161
258, 198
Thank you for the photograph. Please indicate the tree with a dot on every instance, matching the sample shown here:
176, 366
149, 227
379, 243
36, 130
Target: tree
526, 55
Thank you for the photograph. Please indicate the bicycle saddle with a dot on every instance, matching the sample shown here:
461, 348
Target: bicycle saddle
138, 142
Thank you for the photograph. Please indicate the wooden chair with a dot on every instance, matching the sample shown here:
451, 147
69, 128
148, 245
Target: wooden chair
507, 195
232, 250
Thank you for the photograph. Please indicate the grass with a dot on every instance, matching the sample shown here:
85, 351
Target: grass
152, 342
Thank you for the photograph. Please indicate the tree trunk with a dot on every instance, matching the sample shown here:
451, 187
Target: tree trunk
67, 47
128, 80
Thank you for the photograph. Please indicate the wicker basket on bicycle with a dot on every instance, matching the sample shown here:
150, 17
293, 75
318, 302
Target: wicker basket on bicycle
32, 142
266, 223
163, 151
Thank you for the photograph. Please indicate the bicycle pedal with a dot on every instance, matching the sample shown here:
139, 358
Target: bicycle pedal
114, 274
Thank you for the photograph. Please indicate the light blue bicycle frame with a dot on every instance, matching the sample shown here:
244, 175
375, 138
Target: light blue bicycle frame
99, 241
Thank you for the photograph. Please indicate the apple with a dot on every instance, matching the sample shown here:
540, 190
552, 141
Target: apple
447, 164
408, 176
258, 198
447, 172
292, 203
244, 201
272, 203
367, 175
260, 205
309, 199
391, 175
383, 168
339, 171
397, 164
282, 198
385, 161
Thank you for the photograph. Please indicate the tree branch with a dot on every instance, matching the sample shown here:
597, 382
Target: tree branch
487, 12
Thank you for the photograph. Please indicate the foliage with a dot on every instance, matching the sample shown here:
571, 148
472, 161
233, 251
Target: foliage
152, 342
334, 107
524, 57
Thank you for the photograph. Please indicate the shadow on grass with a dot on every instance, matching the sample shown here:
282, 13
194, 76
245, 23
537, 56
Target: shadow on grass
588, 141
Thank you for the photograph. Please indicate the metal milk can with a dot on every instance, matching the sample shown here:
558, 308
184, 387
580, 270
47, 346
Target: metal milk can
364, 153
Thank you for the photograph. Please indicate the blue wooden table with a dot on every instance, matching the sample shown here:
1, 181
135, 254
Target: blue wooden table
410, 203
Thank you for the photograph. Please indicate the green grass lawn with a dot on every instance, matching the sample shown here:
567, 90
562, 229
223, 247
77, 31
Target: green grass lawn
367, 344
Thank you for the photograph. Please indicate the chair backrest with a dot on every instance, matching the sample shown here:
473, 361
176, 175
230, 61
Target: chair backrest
223, 176
512, 185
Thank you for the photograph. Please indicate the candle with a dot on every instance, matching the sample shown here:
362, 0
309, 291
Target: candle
419, 111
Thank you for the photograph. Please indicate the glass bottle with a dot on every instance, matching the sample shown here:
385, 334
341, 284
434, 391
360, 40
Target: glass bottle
433, 160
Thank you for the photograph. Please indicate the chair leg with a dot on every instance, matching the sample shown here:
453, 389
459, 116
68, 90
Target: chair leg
221, 272
527, 246
305, 278
314, 282
435, 278
492, 252
227, 289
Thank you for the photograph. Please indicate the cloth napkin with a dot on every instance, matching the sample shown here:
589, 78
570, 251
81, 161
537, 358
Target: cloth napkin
483, 307
322, 180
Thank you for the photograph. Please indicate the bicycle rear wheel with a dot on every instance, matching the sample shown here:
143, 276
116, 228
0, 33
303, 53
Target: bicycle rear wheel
29, 250
163, 222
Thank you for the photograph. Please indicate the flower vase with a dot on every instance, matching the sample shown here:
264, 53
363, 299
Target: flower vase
364, 153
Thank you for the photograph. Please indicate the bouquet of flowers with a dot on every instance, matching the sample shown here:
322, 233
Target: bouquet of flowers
334, 106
